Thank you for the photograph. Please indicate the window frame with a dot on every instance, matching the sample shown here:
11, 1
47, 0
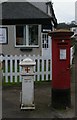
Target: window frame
27, 40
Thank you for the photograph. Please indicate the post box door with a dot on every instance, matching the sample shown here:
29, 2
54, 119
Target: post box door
64, 65
62, 71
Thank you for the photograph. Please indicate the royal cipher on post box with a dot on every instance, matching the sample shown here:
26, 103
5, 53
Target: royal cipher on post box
61, 96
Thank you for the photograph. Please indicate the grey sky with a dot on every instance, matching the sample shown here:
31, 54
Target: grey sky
64, 10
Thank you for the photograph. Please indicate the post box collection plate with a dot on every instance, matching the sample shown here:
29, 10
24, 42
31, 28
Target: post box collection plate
62, 54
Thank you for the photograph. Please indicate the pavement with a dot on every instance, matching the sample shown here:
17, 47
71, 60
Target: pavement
0, 103
0, 93
43, 108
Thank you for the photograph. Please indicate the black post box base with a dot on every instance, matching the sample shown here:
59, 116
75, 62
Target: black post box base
61, 98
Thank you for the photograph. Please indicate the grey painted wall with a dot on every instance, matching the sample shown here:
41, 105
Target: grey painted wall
0, 49
10, 49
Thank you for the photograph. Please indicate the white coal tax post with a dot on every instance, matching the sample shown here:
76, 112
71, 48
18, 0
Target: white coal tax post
27, 75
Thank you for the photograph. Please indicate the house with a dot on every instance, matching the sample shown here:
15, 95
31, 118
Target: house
24, 27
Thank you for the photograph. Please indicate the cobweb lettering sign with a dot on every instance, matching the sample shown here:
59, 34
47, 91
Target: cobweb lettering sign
3, 35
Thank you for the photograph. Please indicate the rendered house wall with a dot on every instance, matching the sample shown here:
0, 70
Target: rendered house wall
10, 49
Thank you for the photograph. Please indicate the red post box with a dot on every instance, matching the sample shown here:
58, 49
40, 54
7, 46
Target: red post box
61, 93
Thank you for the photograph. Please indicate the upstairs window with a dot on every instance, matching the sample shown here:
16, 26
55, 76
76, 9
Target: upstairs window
27, 35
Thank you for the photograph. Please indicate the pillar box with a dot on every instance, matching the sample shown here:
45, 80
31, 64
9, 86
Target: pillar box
61, 93
27, 74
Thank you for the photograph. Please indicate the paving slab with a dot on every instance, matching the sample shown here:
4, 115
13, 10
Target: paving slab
0, 93
43, 108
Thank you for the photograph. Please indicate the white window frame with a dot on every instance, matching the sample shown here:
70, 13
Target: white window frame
27, 38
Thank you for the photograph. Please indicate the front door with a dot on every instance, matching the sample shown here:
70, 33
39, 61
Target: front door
46, 45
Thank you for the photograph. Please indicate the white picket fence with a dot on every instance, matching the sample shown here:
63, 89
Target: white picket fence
43, 68
11, 68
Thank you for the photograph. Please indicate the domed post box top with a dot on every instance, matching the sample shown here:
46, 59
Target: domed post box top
60, 32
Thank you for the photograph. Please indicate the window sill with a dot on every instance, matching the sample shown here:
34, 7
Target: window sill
32, 46
27, 48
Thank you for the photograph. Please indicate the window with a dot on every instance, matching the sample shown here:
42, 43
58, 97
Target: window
27, 35
74, 30
45, 41
33, 35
